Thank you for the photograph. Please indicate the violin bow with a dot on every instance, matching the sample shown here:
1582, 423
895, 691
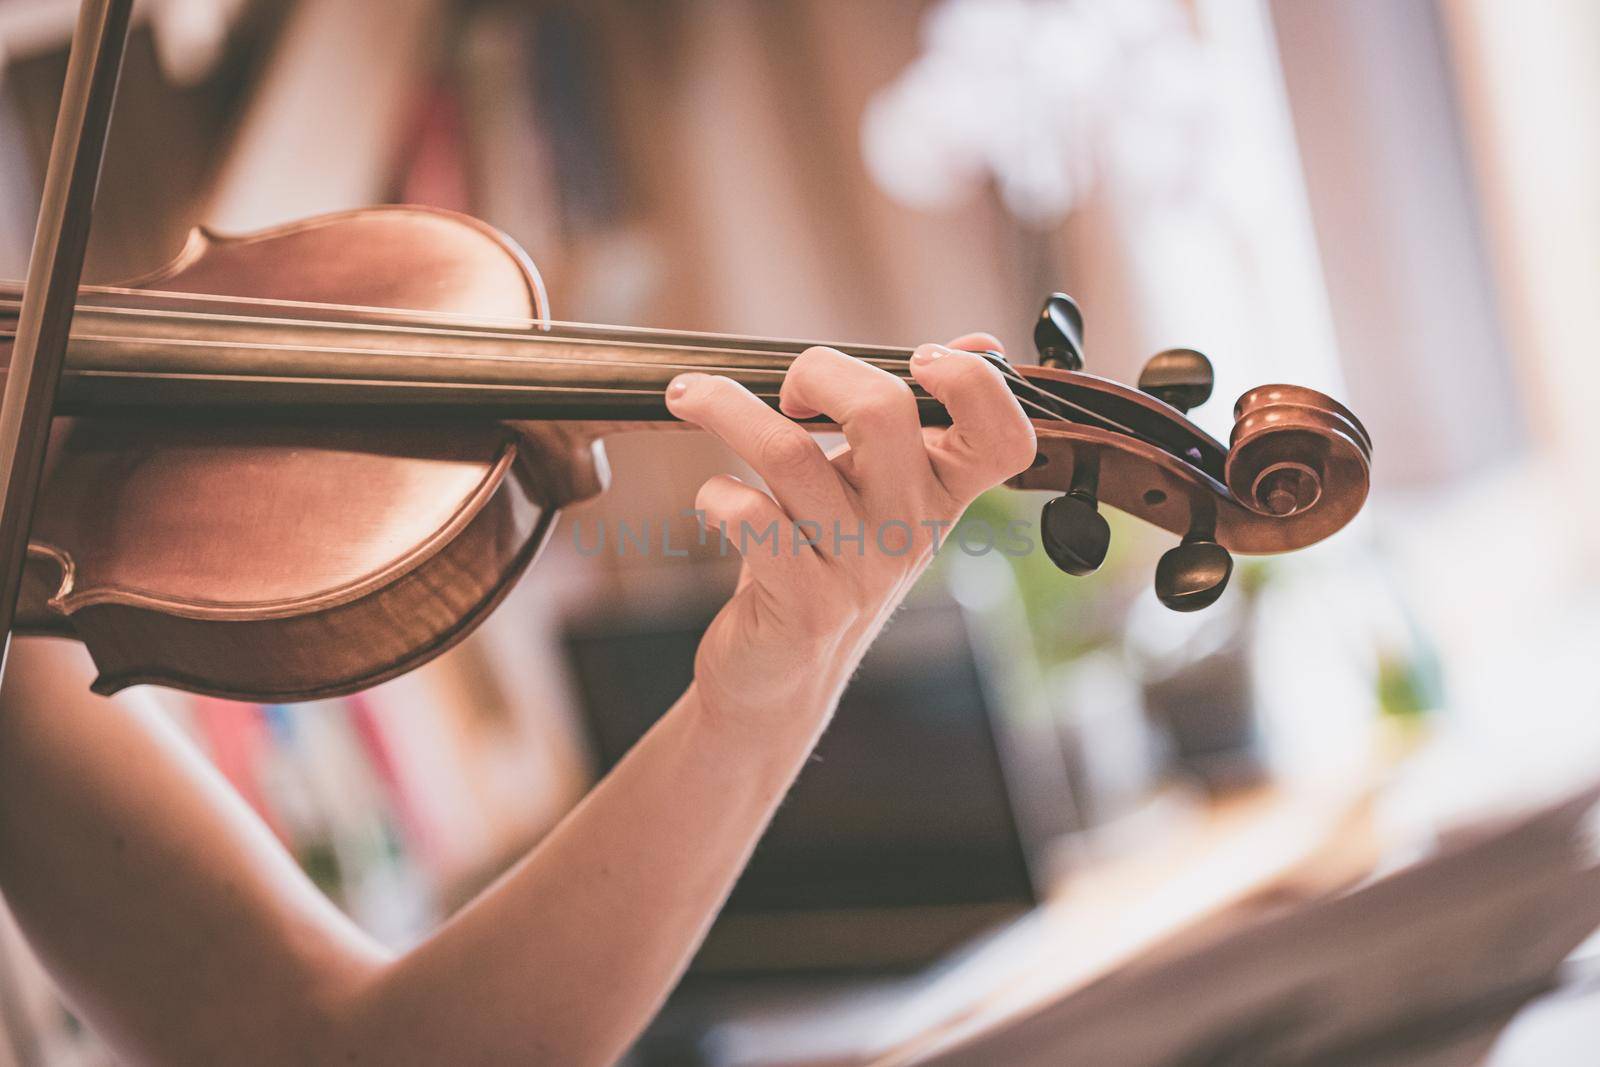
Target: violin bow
51, 290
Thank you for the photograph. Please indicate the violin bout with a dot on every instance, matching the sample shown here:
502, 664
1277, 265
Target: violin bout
282, 561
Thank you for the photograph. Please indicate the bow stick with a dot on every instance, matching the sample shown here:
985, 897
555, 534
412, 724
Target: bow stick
51, 291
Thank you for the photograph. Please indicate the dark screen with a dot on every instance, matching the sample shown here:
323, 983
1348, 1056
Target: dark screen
903, 802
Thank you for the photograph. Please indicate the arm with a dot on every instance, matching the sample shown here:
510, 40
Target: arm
185, 934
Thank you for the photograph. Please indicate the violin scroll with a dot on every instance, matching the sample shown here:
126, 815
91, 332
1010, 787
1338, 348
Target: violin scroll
1295, 471
1291, 447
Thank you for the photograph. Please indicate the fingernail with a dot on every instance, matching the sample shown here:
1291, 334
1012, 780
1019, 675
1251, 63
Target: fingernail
680, 385
928, 353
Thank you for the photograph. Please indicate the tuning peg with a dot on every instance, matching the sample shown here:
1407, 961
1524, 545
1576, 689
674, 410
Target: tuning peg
1181, 377
1193, 575
1058, 335
1075, 535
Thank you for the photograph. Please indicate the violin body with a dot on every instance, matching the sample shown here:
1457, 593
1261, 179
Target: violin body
342, 471
286, 560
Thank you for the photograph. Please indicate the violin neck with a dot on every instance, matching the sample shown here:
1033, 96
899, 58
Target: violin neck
126, 360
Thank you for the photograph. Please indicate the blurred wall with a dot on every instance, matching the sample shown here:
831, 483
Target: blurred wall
1400, 234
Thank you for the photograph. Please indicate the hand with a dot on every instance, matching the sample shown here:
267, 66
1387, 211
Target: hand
803, 614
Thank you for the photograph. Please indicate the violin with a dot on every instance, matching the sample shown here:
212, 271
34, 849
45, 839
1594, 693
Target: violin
293, 464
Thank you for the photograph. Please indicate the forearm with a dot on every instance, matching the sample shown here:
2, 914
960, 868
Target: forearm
187, 936
183, 932
567, 957
172, 919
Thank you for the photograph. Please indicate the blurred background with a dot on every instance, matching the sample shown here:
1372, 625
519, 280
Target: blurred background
1392, 201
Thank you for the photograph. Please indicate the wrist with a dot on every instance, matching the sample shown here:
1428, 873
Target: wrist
756, 678
796, 707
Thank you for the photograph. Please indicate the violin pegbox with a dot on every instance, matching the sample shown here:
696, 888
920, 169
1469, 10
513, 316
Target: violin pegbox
1074, 534
1193, 575
1296, 468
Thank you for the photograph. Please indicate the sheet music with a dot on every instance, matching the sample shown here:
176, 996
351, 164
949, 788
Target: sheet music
1435, 956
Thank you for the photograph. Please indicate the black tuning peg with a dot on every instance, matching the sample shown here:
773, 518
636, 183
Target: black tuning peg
1058, 335
1193, 575
1075, 535
1181, 377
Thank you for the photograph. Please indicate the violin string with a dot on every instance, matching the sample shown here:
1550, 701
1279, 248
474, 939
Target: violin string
675, 340
330, 350
397, 385
1041, 409
523, 337
471, 324
1012, 375
1043, 412
681, 340
465, 317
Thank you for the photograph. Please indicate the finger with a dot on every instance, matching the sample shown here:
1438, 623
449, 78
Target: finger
990, 438
978, 342
876, 411
788, 460
747, 521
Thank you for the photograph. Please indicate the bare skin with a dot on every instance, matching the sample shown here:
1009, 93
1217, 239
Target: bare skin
183, 932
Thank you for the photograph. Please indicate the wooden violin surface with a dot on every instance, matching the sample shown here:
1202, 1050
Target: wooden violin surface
295, 463
294, 561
